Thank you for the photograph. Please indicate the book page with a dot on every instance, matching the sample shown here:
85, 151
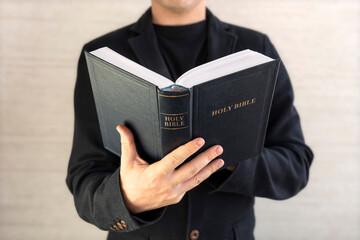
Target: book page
132, 67
206, 72
223, 66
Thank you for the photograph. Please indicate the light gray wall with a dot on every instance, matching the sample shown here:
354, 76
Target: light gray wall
40, 41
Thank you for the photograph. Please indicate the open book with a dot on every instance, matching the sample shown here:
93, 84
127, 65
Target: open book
226, 101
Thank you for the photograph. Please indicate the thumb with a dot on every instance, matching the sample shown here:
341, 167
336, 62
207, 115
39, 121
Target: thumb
128, 147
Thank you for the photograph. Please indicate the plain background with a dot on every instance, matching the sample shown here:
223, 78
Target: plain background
40, 42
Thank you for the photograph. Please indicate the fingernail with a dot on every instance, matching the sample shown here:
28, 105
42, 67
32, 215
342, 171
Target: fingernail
200, 142
118, 128
220, 163
219, 150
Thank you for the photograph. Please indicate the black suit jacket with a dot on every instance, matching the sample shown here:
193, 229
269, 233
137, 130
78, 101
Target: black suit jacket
222, 206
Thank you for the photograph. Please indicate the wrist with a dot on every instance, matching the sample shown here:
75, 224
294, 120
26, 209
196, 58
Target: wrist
132, 208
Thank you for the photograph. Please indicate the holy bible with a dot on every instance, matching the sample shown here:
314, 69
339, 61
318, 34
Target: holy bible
226, 101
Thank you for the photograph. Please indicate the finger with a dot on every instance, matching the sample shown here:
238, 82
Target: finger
191, 168
128, 147
202, 175
178, 156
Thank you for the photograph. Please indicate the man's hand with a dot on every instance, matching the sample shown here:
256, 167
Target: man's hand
146, 187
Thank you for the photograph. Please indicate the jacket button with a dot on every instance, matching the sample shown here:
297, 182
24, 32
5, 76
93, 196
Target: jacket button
124, 224
120, 226
194, 234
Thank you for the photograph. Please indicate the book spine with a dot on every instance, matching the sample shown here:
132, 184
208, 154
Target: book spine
175, 119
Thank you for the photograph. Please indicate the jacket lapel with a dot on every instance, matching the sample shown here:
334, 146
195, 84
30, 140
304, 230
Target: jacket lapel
221, 42
145, 45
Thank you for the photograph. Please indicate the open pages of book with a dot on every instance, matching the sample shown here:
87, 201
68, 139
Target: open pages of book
220, 67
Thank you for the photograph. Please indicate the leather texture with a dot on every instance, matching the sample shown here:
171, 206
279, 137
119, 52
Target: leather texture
174, 117
233, 111
122, 98
220, 207
162, 121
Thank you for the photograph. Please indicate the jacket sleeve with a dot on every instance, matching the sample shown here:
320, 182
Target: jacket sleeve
282, 169
93, 172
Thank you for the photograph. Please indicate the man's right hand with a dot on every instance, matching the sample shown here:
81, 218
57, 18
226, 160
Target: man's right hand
150, 186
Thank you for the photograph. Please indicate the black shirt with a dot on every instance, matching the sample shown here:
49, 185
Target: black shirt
182, 47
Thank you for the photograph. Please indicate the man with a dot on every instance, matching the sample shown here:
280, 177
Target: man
197, 200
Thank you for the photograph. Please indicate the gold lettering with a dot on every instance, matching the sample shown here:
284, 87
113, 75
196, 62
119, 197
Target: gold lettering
174, 121
233, 107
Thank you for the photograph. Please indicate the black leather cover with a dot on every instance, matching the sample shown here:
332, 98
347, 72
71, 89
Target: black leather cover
232, 111
174, 116
123, 98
